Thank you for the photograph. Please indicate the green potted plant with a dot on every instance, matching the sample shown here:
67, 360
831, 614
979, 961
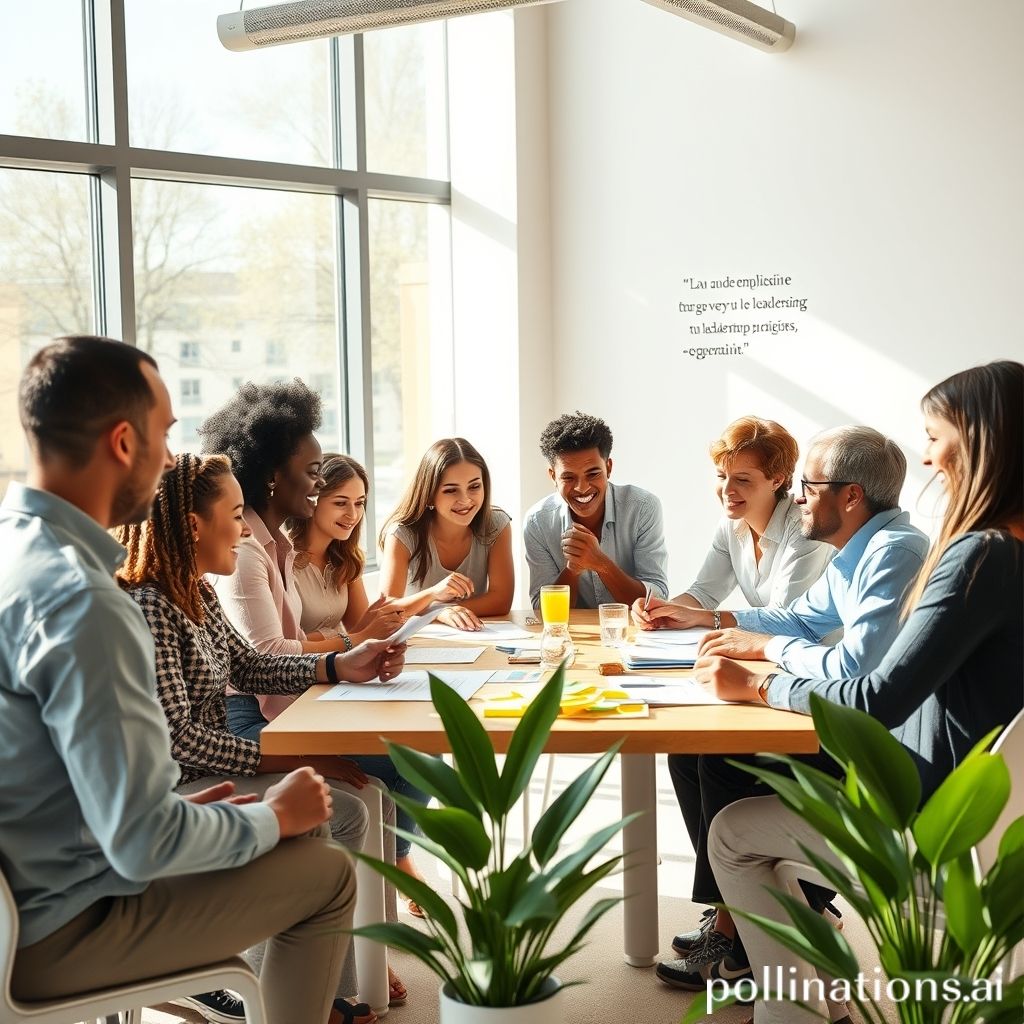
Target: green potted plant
496, 964
938, 923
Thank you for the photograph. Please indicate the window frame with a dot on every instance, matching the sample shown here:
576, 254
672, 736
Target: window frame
112, 166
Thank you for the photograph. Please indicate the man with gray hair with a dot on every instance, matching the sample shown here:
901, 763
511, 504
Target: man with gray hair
850, 499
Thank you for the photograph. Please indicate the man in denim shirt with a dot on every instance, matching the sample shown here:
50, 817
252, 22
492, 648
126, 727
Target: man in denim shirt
605, 541
116, 877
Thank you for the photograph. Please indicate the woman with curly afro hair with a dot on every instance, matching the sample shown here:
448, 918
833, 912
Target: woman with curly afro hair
267, 430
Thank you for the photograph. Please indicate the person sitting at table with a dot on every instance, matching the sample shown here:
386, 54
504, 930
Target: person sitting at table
952, 674
116, 877
445, 541
605, 541
193, 529
759, 546
849, 498
267, 430
329, 561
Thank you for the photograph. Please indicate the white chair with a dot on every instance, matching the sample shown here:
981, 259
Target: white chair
1011, 745
127, 1000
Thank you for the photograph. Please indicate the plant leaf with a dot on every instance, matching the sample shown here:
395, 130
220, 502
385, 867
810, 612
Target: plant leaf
404, 937
433, 776
471, 747
528, 740
456, 830
962, 898
435, 850
1012, 839
556, 820
886, 772
1001, 892
706, 1003
416, 889
590, 848
963, 809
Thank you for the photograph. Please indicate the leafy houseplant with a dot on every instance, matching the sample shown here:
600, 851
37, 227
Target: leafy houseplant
498, 956
901, 868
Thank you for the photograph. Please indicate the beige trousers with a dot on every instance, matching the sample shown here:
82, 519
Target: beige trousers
301, 896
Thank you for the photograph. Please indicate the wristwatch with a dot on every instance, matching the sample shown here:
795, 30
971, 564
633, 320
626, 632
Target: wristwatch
716, 619
762, 690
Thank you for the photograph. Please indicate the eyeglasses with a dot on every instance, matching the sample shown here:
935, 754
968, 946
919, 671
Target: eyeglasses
822, 483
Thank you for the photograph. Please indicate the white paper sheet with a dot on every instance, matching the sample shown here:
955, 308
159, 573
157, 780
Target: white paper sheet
413, 625
677, 693
407, 686
442, 655
671, 637
516, 675
492, 633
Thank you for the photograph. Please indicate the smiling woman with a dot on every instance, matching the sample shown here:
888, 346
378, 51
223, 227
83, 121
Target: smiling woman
446, 542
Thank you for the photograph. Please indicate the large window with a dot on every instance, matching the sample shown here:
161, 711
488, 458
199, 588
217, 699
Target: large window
218, 210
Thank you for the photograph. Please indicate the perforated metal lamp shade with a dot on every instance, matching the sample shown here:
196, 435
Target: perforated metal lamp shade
315, 19
736, 18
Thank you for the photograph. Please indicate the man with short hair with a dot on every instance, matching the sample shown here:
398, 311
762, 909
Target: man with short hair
605, 541
116, 877
850, 499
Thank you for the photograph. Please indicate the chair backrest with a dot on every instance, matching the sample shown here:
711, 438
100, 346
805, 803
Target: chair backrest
1011, 745
8, 941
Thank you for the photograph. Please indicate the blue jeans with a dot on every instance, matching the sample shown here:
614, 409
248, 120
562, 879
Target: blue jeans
246, 720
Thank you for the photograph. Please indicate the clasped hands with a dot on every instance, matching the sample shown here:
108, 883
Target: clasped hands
582, 550
456, 587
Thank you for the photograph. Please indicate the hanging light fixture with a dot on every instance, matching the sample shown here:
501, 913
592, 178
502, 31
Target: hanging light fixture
315, 19
736, 18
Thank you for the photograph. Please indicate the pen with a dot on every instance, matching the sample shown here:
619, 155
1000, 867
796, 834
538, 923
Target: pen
647, 595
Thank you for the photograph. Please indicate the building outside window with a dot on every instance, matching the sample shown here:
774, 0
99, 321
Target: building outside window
325, 275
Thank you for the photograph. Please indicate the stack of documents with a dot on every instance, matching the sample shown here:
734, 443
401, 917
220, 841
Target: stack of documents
664, 648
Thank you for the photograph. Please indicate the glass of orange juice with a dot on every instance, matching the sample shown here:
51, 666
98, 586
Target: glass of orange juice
554, 605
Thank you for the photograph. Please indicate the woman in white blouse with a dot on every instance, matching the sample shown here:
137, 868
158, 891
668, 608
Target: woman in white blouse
759, 547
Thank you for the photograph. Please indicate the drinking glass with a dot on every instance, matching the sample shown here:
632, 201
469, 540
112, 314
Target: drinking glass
614, 620
554, 605
556, 646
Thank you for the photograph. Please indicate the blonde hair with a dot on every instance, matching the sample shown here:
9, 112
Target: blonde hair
162, 550
772, 445
985, 474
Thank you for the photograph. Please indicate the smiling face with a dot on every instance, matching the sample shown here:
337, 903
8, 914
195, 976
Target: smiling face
218, 530
942, 451
297, 483
460, 494
581, 478
744, 490
340, 511
820, 505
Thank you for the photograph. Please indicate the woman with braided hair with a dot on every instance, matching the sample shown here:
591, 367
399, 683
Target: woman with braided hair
195, 528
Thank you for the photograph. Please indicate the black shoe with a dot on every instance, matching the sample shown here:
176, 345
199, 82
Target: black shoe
685, 975
217, 1007
682, 944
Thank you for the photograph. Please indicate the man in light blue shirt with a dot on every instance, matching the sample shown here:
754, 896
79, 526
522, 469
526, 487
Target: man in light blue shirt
115, 876
605, 541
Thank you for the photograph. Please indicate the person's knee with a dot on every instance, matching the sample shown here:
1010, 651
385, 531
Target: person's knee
350, 821
329, 868
724, 842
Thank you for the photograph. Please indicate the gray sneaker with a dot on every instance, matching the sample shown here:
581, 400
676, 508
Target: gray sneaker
682, 944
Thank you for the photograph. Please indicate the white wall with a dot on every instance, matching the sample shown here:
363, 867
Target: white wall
878, 163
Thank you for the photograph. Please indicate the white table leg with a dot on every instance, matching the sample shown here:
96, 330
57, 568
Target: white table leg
640, 842
371, 957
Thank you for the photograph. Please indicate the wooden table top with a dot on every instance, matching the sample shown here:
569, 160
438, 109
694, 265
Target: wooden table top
310, 726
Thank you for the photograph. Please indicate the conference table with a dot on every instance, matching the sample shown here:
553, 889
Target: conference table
310, 726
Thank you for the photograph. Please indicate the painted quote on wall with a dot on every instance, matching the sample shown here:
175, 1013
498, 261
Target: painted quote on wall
725, 314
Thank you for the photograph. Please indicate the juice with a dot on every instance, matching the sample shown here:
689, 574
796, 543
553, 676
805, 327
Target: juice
554, 604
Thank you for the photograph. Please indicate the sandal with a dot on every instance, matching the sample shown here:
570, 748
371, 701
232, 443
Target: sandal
397, 992
355, 1013
416, 910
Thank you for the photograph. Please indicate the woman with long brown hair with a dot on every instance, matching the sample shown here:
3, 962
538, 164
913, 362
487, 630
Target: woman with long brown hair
329, 560
952, 675
445, 542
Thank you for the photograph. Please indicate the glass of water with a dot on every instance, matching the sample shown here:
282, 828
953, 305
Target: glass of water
614, 623
556, 646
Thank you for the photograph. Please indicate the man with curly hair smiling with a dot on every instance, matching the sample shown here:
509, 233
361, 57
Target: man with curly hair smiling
605, 540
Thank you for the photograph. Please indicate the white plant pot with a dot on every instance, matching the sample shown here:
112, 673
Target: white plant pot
549, 1009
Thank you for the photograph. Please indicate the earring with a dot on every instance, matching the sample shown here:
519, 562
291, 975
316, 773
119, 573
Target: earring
430, 508
270, 488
